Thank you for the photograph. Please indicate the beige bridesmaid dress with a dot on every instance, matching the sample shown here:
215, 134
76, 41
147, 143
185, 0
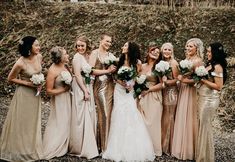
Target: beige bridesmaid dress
83, 124
151, 108
56, 136
208, 102
103, 93
21, 138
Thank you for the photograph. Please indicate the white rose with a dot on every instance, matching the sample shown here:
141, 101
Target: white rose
66, 77
201, 71
37, 79
86, 69
140, 79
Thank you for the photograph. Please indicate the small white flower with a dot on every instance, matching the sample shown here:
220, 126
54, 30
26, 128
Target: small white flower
66, 77
140, 79
201, 71
37, 79
21, 42
122, 69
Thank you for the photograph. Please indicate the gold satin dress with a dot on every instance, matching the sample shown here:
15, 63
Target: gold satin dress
103, 94
208, 102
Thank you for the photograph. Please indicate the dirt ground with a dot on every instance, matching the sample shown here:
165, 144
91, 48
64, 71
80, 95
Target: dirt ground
224, 141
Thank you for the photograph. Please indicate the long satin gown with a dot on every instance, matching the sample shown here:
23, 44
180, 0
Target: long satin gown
186, 123
170, 95
128, 138
151, 109
21, 138
208, 102
56, 136
103, 93
83, 124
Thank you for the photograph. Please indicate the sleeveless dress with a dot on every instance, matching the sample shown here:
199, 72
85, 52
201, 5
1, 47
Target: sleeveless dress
83, 125
208, 102
103, 94
170, 95
186, 123
151, 109
128, 137
21, 138
56, 136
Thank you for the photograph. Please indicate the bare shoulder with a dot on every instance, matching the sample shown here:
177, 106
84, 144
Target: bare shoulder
139, 62
218, 68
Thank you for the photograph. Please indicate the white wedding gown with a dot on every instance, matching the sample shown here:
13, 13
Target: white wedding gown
128, 137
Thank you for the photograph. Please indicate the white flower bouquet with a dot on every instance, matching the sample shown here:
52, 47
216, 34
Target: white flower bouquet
162, 69
66, 77
38, 80
126, 74
200, 73
110, 60
185, 67
140, 85
86, 73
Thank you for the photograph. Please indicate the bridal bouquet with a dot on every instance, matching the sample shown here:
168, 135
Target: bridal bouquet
162, 69
200, 73
185, 67
66, 77
38, 80
126, 74
86, 73
110, 60
140, 85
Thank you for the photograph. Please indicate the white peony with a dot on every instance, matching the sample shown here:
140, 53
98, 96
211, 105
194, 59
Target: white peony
110, 59
162, 66
201, 71
141, 79
87, 69
186, 64
37, 79
66, 77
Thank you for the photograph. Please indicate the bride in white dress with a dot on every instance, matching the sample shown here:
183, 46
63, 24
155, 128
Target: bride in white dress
128, 137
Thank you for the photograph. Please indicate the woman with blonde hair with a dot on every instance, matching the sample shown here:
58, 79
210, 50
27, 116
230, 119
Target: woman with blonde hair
186, 123
170, 94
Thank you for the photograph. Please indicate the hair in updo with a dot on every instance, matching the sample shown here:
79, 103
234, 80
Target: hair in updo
25, 45
56, 54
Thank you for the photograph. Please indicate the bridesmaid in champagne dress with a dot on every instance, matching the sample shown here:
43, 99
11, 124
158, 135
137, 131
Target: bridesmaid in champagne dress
208, 101
186, 122
103, 90
83, 125
150, 103
170, 94
21, 138
56, 136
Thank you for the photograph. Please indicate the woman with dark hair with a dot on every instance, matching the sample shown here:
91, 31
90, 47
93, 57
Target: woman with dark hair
128, 137
21, 138
150, 103
208, 101
56, 136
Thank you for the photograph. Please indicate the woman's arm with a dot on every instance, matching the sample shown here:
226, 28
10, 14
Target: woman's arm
50, 81
16, 69
218, 81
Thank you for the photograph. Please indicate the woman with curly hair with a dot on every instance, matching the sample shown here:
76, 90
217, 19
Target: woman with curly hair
208, 101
